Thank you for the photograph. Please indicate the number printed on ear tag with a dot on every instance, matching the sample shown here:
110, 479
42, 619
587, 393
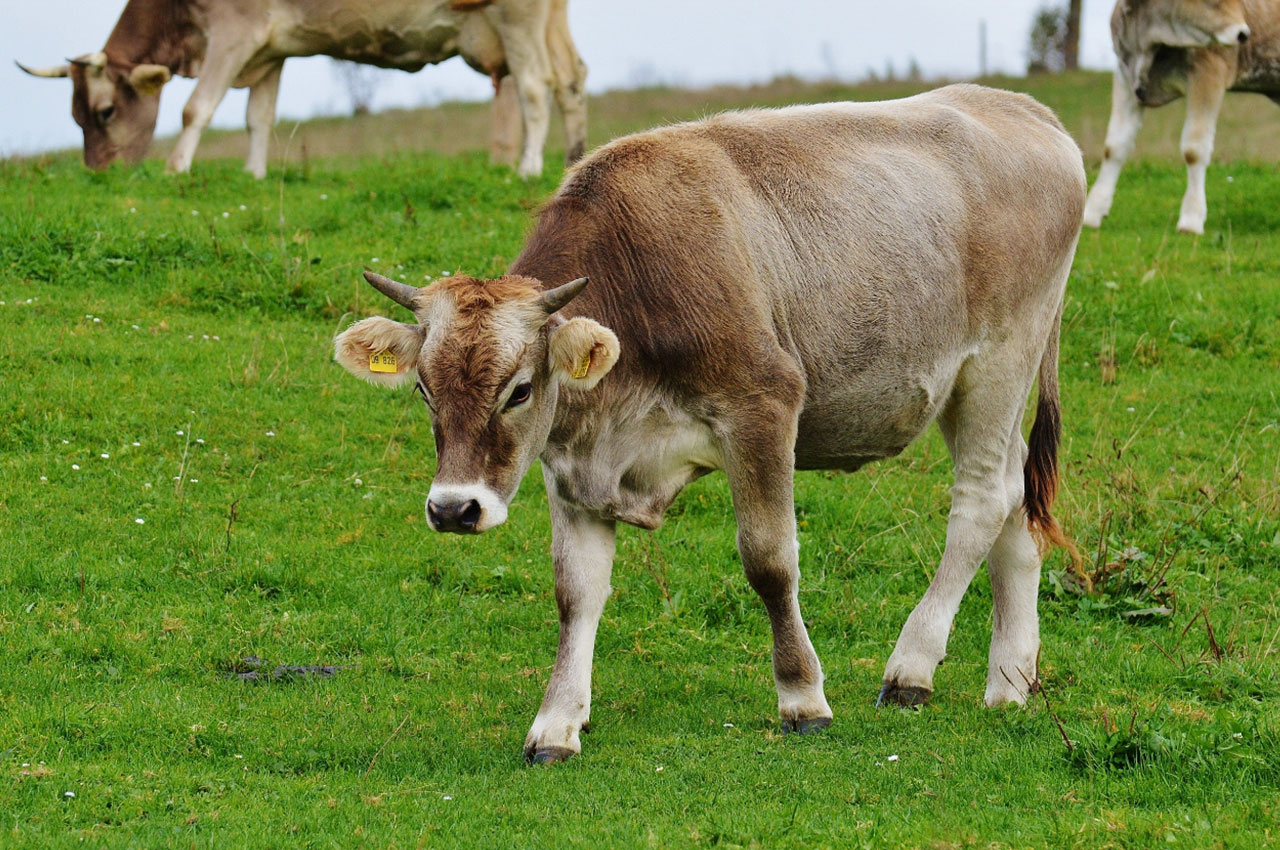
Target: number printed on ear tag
383, 361
581, 368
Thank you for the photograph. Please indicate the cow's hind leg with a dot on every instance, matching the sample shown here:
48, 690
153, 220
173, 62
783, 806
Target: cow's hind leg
569, 75
582, 548
523, 32
1014, 567
760, 463
976, 423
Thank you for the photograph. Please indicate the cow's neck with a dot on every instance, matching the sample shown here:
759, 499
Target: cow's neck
158, 32
626, 457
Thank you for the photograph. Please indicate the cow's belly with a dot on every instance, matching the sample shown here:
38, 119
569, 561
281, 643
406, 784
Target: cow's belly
394, 34
850, 426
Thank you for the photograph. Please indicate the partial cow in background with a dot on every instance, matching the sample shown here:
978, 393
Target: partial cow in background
1166, 49
771, 290
242, 43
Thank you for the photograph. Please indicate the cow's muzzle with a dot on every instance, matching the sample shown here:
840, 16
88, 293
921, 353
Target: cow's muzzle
465, 509
458, 516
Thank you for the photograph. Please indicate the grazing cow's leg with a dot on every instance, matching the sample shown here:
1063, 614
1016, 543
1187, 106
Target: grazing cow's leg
582, 549
221, 65
1122, 130
523, 32
760, 463
1014, 567
569, 74
1205, 90
504, 119
260, 117
976, 424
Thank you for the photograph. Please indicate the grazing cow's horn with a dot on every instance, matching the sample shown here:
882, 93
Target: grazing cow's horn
91, 60
53, 71
553, 299
401, 293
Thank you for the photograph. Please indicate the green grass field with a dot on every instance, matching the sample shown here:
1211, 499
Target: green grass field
187, 480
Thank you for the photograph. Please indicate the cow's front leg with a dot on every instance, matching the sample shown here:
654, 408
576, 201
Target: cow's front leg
224, 61
523, 30
1205, 89
760, 464
1122, 130
582, 548
260, 117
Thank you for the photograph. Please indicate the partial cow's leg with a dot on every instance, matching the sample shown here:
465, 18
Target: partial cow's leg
1122, 130
1206, 87
759, 451
1014, 566
976, 424
523, 32
569, 74
260, 117
223, 62
504, 118
582, 548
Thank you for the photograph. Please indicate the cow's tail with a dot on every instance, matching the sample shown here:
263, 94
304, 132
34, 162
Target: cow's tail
1040, 473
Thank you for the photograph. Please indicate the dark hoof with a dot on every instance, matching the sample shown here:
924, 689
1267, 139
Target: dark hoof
905, 696
806, 725
549, 755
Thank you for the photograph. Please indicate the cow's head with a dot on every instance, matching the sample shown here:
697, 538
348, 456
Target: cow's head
489, 358
1191, 23
115, 105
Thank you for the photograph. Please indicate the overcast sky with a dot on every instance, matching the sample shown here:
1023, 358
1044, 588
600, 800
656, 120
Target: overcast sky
624, 42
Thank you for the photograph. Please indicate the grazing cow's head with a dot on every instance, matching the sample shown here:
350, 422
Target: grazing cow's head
115, 105
489, 358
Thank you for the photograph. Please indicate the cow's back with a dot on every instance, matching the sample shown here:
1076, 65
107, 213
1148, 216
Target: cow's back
866, 241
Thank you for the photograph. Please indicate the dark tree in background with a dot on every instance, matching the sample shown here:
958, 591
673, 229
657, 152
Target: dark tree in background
360, 82
1071, 50
1051, 48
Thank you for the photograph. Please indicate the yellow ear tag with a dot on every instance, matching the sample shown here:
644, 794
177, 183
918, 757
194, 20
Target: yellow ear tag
581, 368
383, 361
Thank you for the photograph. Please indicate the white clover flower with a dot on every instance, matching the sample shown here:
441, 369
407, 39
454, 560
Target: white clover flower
140, 521
75, 466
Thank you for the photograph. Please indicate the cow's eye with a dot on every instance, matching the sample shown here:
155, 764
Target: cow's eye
519, 396
106, 114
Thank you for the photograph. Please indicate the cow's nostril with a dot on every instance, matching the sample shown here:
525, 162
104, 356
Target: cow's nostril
1243, 36
433, 513
469, 515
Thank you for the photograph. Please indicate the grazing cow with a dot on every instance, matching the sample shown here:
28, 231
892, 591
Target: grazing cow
1169, 48
244, 43
772, 290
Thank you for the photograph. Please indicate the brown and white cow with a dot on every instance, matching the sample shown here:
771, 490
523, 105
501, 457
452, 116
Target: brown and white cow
771, 290
1166, 49
116, 92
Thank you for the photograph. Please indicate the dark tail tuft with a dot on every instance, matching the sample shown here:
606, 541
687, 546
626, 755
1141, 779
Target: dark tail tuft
1040, 473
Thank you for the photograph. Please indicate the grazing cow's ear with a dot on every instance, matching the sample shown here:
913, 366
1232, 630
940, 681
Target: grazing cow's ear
380, 351
582, 352
149, 79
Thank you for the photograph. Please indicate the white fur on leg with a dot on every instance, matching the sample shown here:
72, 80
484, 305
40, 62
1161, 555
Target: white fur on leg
1122, 130
1014, 564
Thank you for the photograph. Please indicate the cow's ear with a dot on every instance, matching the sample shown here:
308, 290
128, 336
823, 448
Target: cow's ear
149, 79
582, 352
380, 351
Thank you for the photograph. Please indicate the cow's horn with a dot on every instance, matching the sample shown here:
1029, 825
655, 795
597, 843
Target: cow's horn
91, 60
53, 71
401, 293
553, 299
